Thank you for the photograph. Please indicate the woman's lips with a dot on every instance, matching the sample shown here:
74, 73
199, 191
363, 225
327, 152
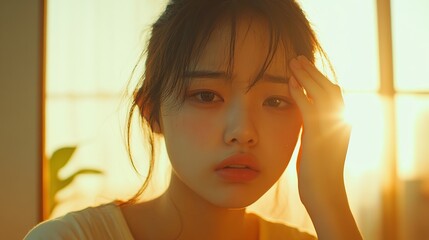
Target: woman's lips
238, 168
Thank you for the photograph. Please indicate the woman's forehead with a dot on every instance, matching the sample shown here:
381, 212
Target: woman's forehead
251, 41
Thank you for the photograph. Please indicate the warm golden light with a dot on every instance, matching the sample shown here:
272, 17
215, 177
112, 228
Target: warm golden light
413, 135
365, 114
89, 64
410, 41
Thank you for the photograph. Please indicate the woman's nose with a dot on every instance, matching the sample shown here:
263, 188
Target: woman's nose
240, 126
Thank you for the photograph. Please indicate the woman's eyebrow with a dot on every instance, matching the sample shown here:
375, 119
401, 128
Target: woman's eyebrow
223, 75
206, 74
274, 78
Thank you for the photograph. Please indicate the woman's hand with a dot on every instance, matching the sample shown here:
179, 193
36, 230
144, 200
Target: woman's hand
324, 144
325, 135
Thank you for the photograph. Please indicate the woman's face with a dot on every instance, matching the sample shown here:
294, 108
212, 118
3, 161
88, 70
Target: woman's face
227, 144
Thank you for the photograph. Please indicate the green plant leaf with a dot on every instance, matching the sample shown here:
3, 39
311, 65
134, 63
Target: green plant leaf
58, 160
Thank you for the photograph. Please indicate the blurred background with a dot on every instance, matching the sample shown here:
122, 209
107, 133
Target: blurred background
65, 68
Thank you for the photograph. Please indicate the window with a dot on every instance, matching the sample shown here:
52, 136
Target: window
411, 61
92, 48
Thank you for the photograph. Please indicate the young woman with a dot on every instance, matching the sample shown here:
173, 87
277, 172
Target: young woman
230, 85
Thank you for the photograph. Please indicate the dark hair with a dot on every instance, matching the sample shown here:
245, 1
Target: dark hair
179, 36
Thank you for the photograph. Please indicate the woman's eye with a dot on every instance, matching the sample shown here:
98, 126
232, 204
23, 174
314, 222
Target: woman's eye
206, 97
276, 102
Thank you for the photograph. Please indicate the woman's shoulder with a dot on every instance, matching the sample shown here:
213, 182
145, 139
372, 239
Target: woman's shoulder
101, 222
52, 229
271, 229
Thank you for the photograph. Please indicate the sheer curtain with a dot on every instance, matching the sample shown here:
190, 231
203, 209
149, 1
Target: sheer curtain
92, 47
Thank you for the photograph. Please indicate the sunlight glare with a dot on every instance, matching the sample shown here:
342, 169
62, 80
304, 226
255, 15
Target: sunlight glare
364, 113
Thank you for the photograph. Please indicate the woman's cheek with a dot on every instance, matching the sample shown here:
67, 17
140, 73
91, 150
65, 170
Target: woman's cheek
284, 130
200, 128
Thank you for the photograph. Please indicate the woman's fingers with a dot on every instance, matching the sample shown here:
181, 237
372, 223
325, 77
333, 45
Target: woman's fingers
319, 100
299, 96
318, 77
318, 87
309, 76
305, 80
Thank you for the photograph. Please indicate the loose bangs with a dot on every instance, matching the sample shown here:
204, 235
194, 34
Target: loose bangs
190, 27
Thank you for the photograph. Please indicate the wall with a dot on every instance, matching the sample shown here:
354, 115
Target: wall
21, 24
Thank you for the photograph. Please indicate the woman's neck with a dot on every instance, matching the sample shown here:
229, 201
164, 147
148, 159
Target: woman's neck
199, 219
181, 214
